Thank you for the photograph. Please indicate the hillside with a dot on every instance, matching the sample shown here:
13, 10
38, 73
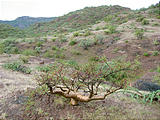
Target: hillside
83, 38
9, 31
25, 21
77, 20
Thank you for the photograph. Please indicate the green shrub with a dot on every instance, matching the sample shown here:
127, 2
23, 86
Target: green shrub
110, 29
72, 42
158, 17
76, 34
48, 54
87, 33
155, 24
45, 39
38, 50
11, 50
62, 38
75, 52
140, 19
9, 46
158, 69
59, 55
24, 59
54, 48
16, 66
2, 47
54, 39
39, 44
108, 18
85, 43
146, 54
155, 53
139, 33
145, 22
29, 52
44, 68
99, 39
156, 42
97, 28
94, 58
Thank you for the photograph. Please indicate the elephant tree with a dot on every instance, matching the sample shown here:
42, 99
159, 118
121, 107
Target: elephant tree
82, 83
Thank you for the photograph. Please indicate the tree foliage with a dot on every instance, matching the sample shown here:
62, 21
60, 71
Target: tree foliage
83, 83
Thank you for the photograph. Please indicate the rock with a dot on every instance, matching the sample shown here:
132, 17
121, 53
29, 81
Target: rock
41, 62
1, 85
146, 86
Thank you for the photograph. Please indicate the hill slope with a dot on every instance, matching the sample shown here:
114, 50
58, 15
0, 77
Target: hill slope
9, 31
26, 21
76, 20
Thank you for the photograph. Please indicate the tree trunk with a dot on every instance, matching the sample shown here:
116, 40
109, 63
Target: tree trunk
73, 102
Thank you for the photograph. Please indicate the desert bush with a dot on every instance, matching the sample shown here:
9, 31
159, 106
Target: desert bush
76, 34
55, 48
48, 54
145, 97
146, 54
71, 80
9, 46
62, 38
155, 24
37, 50
85, 43
87, 33
45, 39
17, 66
75, 52
94, 58
99, 39
11, 50
110, 29
139, 33
155, 53
140, 19
2, 47
54, 39
158, 17
145, 22
29, 52
56, 53
44, 68
39, 44
72, 42
24, 59
156, 42
108, 18
97, 28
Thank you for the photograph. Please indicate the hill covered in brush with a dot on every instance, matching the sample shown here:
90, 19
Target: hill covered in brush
10, 31
26, 21
77, 20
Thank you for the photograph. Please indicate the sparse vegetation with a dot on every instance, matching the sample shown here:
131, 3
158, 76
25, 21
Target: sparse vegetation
17, 66
65, 56
29, 52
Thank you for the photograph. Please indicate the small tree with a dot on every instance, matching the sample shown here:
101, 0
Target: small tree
82, 83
